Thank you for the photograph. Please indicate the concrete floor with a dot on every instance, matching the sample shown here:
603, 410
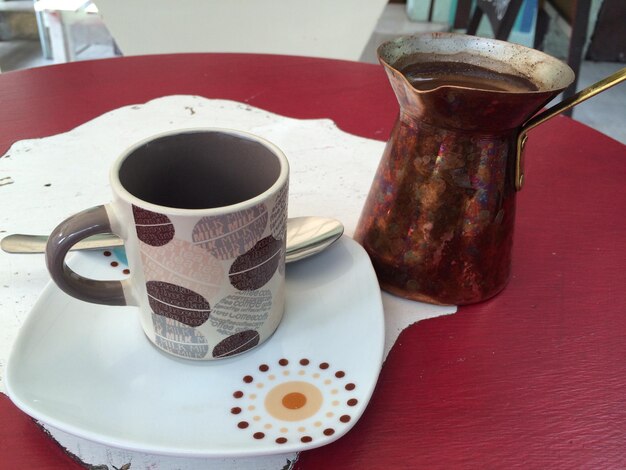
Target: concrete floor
605, 112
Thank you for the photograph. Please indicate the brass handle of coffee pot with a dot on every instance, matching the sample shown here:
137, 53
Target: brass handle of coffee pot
564, 105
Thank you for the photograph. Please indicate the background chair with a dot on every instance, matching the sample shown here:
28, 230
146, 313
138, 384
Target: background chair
501, 15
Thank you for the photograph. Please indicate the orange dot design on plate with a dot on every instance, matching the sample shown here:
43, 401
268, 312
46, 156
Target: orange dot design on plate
290, 410
294, 400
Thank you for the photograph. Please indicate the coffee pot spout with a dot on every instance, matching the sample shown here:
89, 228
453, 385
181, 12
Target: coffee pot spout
470, 84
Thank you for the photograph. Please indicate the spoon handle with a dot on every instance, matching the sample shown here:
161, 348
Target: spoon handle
23, 243
305, 237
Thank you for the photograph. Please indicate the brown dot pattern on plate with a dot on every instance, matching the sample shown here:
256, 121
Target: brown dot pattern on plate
178, 303
303, 403
236, 344
235, 410
242, 424
153, 228
115, 264
253, 269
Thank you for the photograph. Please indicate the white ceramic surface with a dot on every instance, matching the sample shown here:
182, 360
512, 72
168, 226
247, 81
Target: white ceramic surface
89, 370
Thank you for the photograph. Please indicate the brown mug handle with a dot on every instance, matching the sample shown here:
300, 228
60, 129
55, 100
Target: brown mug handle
69, 232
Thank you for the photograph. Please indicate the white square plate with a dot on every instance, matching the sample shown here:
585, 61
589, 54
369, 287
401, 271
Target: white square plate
89, 370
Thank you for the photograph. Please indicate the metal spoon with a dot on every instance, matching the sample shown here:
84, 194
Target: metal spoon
306, 236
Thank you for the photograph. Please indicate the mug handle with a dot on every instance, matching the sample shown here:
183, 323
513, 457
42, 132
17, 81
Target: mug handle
69, 232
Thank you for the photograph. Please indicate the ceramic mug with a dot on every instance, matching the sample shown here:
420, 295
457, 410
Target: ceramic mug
203, 216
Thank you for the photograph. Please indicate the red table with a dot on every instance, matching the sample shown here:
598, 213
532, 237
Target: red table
535, 377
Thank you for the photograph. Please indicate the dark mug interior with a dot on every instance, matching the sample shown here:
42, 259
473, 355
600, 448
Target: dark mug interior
199, 170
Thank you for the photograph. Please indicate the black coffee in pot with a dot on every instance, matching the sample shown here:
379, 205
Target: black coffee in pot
430, 75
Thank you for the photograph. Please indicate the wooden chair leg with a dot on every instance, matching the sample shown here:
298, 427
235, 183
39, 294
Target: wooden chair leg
577, 44
541, 28
508, 20
475, 21
462, 14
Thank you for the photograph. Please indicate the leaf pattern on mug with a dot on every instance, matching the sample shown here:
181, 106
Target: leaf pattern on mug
153, 228
236, 344
255, 268
242, 310
176, 302
230, 235
178, 339
182, 263
278, 218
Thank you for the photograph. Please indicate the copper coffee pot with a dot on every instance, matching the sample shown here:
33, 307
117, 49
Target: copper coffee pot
439, 218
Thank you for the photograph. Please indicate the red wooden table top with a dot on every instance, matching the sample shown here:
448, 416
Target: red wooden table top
534, 377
